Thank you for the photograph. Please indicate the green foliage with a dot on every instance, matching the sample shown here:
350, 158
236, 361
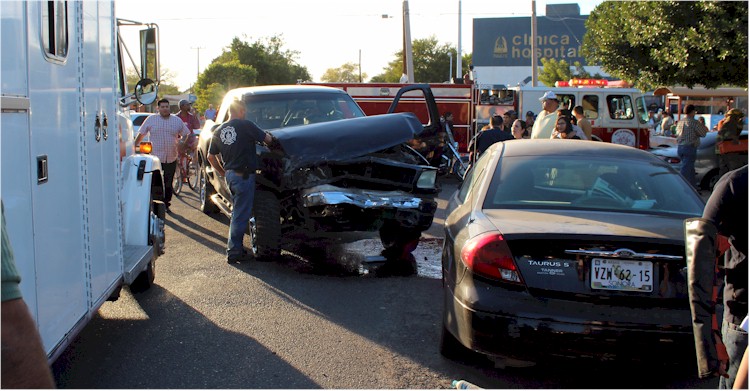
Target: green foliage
431, 62
347, 73
554, 70
212, 93
263, 62
668, 43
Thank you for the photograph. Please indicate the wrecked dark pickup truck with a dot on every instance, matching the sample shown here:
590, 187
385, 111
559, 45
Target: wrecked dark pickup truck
335, 169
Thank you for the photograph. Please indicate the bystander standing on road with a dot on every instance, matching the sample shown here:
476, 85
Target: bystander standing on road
582, 121
651, 123
191, 121
485, 138
667, 122
727, 138
210, 113
529, 122
165, 131
725, 215
689, 133
545, 120
24, 363
519, 130
235, 140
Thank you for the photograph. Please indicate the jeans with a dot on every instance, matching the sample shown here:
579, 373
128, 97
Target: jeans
169, 169
243, 191
687, 155
735, 339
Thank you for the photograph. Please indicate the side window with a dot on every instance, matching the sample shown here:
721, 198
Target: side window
55, 30
590, 104
620, 107
472, 176
567, 102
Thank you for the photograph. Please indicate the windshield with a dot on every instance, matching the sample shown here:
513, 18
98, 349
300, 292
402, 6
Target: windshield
274, 111
585, 183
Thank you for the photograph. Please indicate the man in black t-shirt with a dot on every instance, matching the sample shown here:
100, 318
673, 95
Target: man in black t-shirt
725, 214
235, 141
487, 137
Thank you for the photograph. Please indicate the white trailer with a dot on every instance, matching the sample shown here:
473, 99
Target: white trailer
83, 211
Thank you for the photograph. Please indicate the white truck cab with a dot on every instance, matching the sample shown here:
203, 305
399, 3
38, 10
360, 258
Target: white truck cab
83, 211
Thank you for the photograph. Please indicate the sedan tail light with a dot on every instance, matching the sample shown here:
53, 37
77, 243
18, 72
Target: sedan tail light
489, 255
672, 160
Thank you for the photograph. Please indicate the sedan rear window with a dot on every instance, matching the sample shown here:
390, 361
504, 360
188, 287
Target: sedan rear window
588, 183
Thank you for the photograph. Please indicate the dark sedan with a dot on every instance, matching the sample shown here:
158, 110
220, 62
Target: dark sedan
564, 248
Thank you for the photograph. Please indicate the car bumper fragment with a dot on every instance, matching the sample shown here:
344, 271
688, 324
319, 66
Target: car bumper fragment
366, 199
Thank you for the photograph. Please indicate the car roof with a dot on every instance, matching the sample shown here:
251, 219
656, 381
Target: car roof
548, 147
285, 89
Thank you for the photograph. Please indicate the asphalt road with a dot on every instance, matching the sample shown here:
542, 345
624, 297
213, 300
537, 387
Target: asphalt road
294, 323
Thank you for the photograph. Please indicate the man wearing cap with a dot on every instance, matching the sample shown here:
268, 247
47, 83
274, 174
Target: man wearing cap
545, 123
191, 121
165, 130
728, 137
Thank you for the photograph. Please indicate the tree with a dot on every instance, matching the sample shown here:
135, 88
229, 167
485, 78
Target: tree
554, 70
347, 73
667, 43
431, 62
263, 62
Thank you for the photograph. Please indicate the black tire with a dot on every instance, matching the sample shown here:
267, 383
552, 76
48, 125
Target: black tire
177, 179
398, 240
710, 179
265, 226
193, 171
450, 347
206, 191
146, 278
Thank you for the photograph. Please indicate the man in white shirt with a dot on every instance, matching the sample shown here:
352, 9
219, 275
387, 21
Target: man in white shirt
545, 121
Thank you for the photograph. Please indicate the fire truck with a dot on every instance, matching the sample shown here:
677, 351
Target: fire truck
618, 115
376, 98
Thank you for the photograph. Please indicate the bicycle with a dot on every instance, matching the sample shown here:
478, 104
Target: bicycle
187, 170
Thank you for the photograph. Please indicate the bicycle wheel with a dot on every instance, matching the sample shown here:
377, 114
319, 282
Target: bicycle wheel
177, 180
193, 171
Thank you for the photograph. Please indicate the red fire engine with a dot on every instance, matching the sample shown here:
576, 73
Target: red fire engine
617, 114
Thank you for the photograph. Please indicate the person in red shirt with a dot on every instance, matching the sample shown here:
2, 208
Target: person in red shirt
188, 116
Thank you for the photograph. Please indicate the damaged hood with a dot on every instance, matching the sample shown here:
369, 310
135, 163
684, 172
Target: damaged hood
346, 139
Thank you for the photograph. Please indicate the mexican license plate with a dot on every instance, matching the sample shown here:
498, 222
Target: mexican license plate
622, 275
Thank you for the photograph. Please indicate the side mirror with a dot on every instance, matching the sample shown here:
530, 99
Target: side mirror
149, 54
145, 91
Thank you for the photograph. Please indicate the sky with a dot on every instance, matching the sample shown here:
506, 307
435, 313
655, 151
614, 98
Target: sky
325, 33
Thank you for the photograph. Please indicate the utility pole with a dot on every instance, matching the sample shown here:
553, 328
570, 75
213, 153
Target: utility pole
450, 67
533, 44
459, 65
198, 70
408, 59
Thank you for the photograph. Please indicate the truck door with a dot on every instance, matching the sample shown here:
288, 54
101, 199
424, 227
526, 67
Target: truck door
55, 184
101, 155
